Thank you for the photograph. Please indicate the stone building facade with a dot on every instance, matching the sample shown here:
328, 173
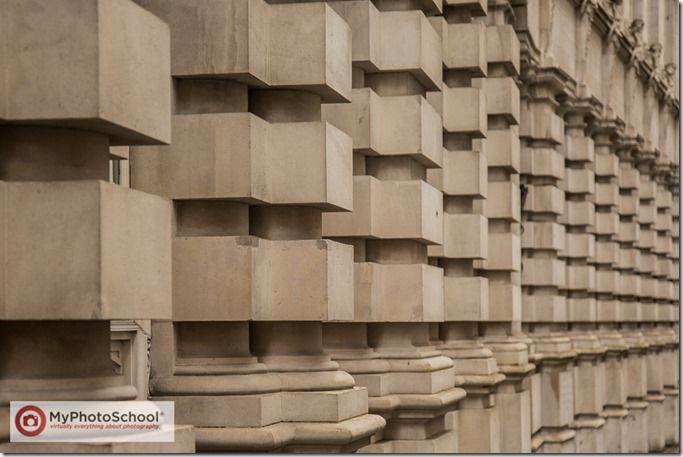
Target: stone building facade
345, 226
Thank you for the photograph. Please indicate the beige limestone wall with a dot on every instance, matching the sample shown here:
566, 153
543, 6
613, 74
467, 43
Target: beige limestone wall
614, 255
345, 226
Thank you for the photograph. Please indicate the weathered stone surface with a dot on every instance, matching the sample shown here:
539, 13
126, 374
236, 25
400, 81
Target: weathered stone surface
260, 44
379, 226
82, 74
117, 240
239, 156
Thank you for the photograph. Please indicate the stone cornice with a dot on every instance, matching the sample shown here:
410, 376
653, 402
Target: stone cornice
643, 56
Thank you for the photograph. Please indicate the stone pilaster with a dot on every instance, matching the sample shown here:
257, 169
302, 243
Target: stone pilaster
464, 182
503, 330
251, 168
543, 272
77, 250
580, 256
398, 215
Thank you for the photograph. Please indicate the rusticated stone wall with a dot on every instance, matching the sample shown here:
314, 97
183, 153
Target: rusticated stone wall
345, 226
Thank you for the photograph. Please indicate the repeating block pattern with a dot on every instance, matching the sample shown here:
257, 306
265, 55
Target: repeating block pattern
605, 271
397, 218
404, 226
251, 169
77, 251
464, 181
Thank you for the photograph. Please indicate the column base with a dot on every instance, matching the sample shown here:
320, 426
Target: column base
636, 426
345, 436
590, 435
656, 440
515, 420
445, 442
671, 416
479, 430
417, 422
554, 441
615, 430
260, 410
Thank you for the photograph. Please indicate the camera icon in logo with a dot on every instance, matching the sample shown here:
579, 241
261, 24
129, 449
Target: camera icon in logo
30, 420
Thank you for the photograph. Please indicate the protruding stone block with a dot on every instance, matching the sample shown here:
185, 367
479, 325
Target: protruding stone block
473, 120
628, 205
502, 97
544, 235
663, 245
544, 199
502, 47
230, 278
466, 299
309, 46
607, 252
579, 181
465, 237
607, 281
503, 201
663, 199
606, 194
628, 232
117, 242
606, 223
304, 46
465, 47
629, 284
631, 311
647, 239
579, 245
578, 213
389, 126
503, 148
580, 277
647, 287
540, 122
647, 189
464, 173
398, 293
543, 272
664, 290
544, 308
241, 157
505, 302
647, 212
578, 148
376, 33
82, 73
581, 310
504, 253
542, 162
628, 258
629, 178
606, 165
390, 210
663, 222
476, 7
